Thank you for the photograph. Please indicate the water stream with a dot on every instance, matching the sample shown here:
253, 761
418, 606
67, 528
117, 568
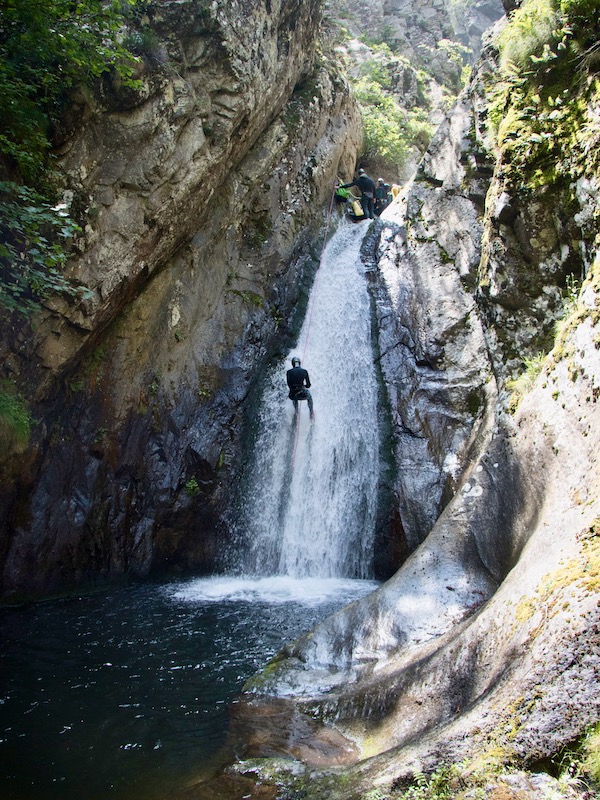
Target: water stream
125, 694
311, 504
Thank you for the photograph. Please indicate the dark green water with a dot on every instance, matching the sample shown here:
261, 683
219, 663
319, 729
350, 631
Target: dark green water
126, 695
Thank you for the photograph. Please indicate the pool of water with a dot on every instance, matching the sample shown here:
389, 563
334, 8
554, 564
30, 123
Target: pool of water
126, 694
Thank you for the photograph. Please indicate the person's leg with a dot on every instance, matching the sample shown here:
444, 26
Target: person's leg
295, 402
310, 404
364, 202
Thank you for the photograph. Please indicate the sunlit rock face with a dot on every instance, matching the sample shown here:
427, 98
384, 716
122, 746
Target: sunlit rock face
419, 52
488, 635
415, 31
434, 353
200, 198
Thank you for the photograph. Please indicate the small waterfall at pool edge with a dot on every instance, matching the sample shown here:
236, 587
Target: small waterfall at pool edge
311, 504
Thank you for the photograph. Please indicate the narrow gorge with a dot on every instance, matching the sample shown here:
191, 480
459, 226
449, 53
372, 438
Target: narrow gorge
448, 489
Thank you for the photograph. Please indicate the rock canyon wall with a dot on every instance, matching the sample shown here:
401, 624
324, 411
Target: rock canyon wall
199, 195
484, 645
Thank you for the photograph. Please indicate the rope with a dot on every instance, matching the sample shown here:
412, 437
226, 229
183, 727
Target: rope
296, 439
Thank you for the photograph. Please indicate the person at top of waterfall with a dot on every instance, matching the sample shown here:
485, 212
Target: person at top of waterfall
381, 196
341, 195
367, 192
299, 384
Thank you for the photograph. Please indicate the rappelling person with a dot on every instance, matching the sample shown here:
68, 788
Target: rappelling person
367, 192
299, 383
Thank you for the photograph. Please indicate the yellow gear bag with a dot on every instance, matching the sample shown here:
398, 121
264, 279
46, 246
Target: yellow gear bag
357, 208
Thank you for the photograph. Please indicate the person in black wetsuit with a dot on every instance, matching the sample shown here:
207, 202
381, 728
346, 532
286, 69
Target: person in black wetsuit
299, 383
367, 192
381, 196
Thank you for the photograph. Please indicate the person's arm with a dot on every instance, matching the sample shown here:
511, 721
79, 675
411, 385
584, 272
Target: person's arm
307, 381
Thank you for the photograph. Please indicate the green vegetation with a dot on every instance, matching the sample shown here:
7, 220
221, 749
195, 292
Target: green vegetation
459, 55
439, 785
395, 101
574, 313
15, 421
100, 435
521, 385
571, 295
32, 248
259, 231
390, 130
192, 487
47, 47
580, 574
249, 298
591, 753
528, 36
489, 773
542, 108
384, 36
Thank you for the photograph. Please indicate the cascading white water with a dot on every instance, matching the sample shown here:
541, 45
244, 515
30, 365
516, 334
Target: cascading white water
311, 505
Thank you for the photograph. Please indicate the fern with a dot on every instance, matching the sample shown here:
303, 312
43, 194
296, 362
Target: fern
530, 34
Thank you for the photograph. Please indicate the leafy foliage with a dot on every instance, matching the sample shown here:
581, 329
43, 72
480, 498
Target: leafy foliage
542, 110
31, 248
459, 55
396, 100
591, 763
390, 130
530, 33
439, 785
15, 422
192, 487
521, 385
385, 35
46, 48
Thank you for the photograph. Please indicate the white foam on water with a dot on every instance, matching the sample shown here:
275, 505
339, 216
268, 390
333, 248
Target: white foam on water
273, 590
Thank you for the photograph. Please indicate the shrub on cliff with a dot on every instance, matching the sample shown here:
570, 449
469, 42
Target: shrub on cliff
47, 47
15, 423
391, 132
543, 107
32, 254
529, 33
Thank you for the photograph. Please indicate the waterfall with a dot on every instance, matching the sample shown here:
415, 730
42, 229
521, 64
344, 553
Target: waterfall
311, 503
